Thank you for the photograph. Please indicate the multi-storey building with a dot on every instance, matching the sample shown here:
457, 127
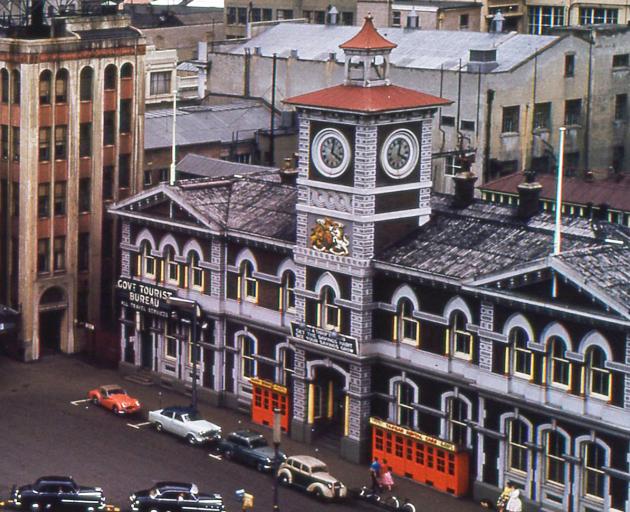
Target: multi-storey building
510, 92
447, 337
71, 114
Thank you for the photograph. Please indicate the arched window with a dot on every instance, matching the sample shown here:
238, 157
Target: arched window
148, 261
248, 285
197, 275
45, 86
61, 86
517, 439
555, 449
172, 267
594, 481
456, 416
110, 78
15, 87
522, 357
126, 71
559, 365
87, 77
287, 291
598, 375
461, 339
405, 413
248, 351
329, 312
406, 327
287, 361
4, 85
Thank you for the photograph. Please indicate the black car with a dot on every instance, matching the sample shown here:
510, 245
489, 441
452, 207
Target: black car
249, 447
57, 493
175, 497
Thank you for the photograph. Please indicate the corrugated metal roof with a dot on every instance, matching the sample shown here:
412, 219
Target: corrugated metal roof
422, 49
204, 124
200, 165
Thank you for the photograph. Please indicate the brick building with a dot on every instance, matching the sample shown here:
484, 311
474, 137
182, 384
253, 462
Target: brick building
442, 335
71, 121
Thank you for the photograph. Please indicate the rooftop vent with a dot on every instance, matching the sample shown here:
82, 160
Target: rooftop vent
333, 15
496, 25
412, 20
482, 60
293, 54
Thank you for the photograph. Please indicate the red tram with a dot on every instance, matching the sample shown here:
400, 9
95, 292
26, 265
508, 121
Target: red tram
268, 396
421, 457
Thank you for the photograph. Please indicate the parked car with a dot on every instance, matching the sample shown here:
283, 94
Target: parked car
114, 398
185, 422
249, 447
175, 497
57, 493
312, 475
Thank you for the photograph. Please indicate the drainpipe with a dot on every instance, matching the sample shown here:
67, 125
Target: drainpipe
488, 131
246, 72
273, 112
587, 128
440, 112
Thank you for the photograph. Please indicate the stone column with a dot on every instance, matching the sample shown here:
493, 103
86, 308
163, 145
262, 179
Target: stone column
300, 428
355, 446
626, 394
486, 323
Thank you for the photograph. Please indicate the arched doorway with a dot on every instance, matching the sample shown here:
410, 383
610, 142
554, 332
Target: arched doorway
327, 406
52, 316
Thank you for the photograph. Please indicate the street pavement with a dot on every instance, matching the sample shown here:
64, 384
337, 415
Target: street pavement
47, 428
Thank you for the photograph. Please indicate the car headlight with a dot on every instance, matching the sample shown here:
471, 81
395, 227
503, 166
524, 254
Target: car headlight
137, 403
132, 497
125, 404
329, 485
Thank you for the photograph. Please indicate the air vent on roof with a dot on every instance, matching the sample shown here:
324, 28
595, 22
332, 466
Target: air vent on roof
294, 54
257, 50
482, 60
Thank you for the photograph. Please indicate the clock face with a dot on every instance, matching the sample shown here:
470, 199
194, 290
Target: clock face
330, 152
400, 153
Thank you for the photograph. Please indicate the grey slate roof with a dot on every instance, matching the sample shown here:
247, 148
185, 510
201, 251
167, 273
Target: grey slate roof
483, 239
259, 204
606, 267
203, 166
206, 124
423, 49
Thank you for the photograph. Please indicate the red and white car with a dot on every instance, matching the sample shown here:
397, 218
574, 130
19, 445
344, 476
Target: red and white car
114, 398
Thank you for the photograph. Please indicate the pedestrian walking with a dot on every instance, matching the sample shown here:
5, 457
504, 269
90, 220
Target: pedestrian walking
387, 480
375, 475
504, 496
514, 504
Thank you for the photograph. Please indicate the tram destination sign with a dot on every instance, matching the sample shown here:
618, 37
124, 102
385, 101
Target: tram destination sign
324, 338
144, 297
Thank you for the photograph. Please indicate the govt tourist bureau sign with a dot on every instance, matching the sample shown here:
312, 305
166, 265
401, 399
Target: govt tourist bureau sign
144, 297
324, 338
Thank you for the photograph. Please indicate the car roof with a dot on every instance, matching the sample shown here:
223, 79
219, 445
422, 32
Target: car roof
307, 459
248, 434
111, 386
176, 486
181, 409
55, 480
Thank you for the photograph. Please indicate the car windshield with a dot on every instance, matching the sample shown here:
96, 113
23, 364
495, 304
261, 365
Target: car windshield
259, 443
153, 493
192, 416
117, 391
319, 469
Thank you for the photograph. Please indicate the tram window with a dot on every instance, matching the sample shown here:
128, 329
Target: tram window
420, 454
429, 457
399, 446
378, 443
440, 461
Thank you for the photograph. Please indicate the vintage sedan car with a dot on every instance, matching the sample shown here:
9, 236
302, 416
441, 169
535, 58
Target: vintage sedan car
249, 447
312, 475
57, 493
185, 422
175, 497
114, 398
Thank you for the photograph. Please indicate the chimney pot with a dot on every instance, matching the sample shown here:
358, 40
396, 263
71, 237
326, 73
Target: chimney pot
464, 189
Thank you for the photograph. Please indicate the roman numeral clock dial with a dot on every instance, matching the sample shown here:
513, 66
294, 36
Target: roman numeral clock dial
330, 152
400, 153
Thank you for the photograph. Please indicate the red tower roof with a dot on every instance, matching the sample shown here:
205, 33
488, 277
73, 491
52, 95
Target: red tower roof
367, 99
368, 38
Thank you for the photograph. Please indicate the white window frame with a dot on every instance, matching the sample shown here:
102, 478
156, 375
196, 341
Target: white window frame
556, 361
403, 319
287, 291
460, 332
196, 271
520, 445
146, 258
170, 265
248, 356
518, 351
326, 307
593, 370
548, 457
451, 421
598, 470
246, 281
403, 406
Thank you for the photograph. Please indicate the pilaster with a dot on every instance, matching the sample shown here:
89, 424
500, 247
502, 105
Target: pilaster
486, 323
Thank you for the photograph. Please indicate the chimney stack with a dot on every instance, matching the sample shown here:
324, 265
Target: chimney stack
464, 183
288, 174
528, 199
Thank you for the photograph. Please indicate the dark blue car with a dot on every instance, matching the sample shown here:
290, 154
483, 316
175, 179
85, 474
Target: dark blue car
175, 497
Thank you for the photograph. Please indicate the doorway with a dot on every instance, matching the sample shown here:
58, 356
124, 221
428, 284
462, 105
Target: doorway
50, 324
328, 402
146, 350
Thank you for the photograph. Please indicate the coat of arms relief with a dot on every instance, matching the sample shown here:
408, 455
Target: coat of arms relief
328, 236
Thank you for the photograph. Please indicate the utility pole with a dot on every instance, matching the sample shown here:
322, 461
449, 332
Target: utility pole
277, 437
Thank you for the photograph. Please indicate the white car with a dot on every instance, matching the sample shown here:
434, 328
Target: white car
185, 422
312, 475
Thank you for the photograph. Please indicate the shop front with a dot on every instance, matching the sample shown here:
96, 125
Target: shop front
423, 458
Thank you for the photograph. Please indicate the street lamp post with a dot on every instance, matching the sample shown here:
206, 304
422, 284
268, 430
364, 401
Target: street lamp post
277, 435
193, 307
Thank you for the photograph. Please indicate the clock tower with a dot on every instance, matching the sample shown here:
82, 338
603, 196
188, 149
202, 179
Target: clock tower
364, 181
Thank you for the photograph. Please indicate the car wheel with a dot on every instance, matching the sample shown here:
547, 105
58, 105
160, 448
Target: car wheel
158, 426
228, 454
408, 507
190, 439
260, 467
115, 409
284, 479
95, 400
318, 493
